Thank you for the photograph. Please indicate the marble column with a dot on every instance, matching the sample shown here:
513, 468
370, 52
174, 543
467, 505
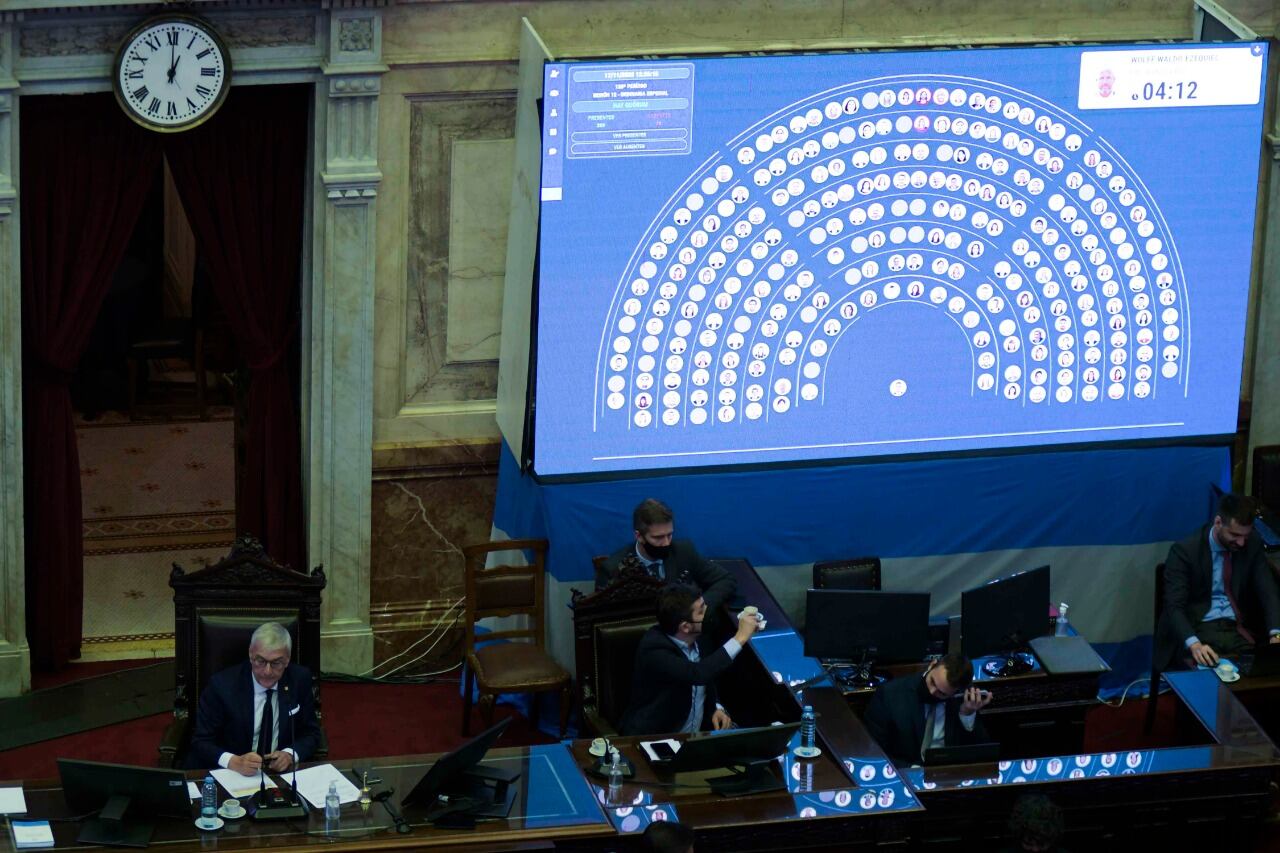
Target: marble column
339, 391
15, 659
1264, 424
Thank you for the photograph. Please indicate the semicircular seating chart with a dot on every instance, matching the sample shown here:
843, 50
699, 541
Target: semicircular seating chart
1005, 214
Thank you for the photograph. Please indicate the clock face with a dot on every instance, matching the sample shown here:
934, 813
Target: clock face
172, 73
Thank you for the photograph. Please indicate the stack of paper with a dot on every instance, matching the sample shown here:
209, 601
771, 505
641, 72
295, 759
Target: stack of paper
240, 786
313, 783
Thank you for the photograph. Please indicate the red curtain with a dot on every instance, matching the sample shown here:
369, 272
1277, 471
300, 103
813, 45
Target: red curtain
242, 178
85, 174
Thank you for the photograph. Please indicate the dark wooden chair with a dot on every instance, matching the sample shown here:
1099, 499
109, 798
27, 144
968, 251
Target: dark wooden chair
509, 667
853, 573
216, 610
607, 628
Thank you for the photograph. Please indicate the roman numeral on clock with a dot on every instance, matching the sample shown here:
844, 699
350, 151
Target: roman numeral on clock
173, 109
203, 91
208, 72
154, 106
202, 54
140, 94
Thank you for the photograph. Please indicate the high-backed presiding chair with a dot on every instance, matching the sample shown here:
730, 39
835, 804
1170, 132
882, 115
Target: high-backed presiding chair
607, 627
508, 667
216, 610
854, 573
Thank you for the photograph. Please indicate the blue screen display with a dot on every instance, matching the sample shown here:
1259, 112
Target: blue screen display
776, 259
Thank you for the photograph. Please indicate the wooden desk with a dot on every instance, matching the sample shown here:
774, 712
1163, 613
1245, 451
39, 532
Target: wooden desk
1224, 785
820, 808
1220, 787
553, 805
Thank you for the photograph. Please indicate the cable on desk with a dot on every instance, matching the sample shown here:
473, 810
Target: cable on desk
1125, 694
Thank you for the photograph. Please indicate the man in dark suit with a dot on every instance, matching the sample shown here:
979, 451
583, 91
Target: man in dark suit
656, 551
674, 689
911, 714
1220, 594
258, 713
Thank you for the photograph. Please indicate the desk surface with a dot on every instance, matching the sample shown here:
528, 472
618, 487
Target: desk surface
816, 789
553, 801
1239, 743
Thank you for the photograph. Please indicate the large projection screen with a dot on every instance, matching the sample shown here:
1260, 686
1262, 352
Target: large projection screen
763, 260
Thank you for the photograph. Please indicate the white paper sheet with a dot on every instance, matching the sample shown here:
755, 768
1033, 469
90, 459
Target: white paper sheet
193, 791
240, 786
12, 801
313, 783
647, 746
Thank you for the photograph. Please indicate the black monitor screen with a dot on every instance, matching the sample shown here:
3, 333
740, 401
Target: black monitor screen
1005, 613
886, 626
152, 791
733, 748
448, 768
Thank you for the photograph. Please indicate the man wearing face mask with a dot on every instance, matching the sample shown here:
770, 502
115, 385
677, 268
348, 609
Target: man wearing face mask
656, 551
1220, 595
674, 687
912, 714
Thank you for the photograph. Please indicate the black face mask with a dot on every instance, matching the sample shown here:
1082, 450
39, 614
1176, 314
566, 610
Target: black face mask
657, 552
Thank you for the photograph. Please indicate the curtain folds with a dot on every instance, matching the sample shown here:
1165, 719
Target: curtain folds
85, 174
241, 177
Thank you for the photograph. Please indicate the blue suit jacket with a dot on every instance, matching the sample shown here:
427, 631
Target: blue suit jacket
224, 720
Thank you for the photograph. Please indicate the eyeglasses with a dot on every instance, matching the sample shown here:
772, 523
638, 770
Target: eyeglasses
260, 662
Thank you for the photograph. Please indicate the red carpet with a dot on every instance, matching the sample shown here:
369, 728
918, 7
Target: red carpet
362, 720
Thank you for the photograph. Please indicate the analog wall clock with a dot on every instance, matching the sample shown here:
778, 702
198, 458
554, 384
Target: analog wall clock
171, 73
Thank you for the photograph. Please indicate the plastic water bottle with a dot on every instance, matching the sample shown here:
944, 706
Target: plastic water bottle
808, 730
208, 800
615, 777
1062, 628
332, 804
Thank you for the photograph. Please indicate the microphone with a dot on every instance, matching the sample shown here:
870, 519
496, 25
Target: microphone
293, 742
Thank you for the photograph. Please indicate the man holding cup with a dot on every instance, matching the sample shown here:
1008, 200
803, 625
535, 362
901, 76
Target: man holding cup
673, 689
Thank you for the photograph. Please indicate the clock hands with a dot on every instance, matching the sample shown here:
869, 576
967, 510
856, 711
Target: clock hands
173, 65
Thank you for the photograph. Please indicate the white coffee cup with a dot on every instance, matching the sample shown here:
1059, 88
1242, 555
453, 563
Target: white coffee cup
598, 746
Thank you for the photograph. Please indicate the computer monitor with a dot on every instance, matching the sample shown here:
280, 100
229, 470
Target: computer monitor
751, 749
1005, 614
890, 627
126, 798
459, 775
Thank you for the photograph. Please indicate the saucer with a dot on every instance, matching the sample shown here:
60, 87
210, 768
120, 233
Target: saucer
1234, 676
232, 815
215, 824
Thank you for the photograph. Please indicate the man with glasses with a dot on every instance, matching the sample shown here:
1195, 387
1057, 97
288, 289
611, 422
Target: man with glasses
910, 715
258, 714
674, 686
